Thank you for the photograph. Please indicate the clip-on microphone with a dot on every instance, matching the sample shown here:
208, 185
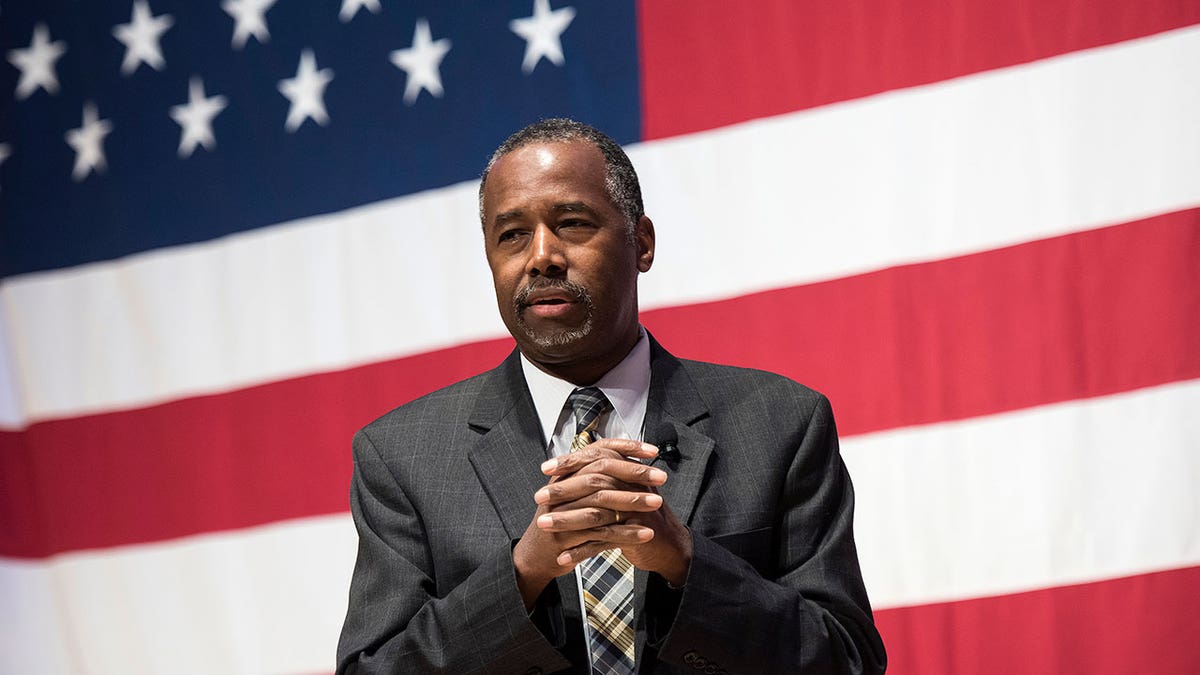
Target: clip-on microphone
667, 441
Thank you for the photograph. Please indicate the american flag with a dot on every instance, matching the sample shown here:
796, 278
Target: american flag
232, 232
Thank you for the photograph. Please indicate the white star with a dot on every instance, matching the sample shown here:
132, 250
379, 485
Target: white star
250, 20
37, 62
542, 33
306, 91
351, 7
421, 62
196, 118
87, 140
140, 37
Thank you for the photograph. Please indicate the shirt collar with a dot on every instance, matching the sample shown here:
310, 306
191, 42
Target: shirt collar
627, 387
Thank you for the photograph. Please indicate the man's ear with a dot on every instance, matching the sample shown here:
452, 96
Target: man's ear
645, 244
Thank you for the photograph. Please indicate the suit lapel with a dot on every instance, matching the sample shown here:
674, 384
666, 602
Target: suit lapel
510, 449
673, 400
507, 458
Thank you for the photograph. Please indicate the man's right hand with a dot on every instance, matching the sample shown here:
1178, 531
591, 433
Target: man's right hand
583, 507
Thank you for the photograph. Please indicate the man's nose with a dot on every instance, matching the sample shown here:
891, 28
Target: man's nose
546, 255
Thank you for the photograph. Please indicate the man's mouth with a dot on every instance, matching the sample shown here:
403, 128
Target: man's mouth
553, 311
550, 300
550, 306
553, 298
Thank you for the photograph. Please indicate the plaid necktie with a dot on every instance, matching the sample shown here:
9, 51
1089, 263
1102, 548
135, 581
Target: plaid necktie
608, 577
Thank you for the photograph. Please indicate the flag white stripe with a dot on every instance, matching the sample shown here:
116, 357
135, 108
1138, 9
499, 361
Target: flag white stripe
266, 600
1048, 496
1066, 144
1074, 492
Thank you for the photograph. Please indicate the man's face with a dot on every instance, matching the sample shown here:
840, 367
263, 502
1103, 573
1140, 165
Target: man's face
564, 267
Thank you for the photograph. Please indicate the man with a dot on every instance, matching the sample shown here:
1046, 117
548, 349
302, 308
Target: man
487, 545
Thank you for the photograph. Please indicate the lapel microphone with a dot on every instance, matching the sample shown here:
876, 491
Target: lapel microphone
667, 441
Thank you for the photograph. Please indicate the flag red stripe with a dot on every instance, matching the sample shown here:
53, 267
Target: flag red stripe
697, 77
225, 461
1131, 625
1081, 315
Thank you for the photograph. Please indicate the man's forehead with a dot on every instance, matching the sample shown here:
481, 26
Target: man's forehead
577, 166
544, 155
568, 155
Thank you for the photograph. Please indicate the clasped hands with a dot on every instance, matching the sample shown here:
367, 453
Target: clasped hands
599, 498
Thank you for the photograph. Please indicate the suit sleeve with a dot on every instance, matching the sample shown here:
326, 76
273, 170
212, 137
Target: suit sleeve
809, 613
396, 621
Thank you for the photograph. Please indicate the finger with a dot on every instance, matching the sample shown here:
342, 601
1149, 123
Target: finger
629, 536
585, 518
605, 447
619, 475
614, 500
625, 470
626, 447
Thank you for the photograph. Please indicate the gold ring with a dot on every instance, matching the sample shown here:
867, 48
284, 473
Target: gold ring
618, 514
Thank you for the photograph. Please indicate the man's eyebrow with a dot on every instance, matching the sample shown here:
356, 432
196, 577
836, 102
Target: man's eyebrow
565, 207
574, 207
507, 216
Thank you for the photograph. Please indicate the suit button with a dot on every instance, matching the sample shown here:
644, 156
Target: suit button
690, 657
711, 669
699, 663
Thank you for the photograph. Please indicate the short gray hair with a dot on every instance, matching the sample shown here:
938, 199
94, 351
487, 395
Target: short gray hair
620, 179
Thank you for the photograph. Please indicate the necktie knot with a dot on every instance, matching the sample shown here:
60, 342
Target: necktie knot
589, 403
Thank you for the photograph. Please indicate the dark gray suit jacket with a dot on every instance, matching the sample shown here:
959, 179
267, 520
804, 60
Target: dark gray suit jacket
443, 487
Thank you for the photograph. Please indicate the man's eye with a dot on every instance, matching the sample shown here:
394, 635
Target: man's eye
508, 235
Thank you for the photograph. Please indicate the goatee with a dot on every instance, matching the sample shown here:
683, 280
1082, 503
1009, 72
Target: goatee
556, 338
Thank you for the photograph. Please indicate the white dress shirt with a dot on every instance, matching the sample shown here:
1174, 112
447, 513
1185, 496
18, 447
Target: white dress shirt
627, 387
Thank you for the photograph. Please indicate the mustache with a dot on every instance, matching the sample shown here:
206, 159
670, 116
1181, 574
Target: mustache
576, 291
